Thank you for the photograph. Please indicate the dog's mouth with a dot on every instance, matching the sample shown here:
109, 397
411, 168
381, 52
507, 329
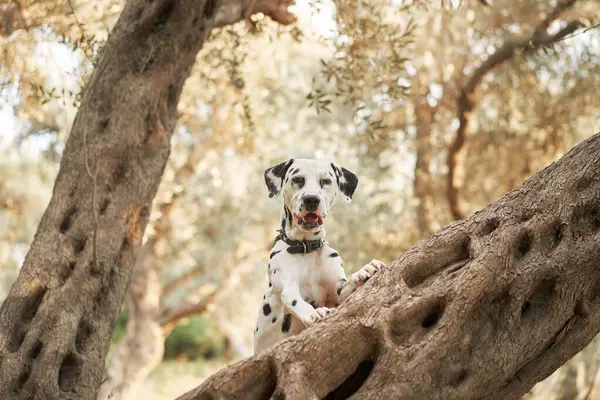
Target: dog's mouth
309, 220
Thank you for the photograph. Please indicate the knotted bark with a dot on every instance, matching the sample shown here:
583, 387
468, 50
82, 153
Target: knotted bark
484, 308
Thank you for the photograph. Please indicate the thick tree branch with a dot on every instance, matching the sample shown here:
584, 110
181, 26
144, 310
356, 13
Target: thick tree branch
484, 308
466, 101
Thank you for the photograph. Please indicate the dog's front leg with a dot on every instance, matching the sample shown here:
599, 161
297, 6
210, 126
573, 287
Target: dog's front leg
345, 288
294, 304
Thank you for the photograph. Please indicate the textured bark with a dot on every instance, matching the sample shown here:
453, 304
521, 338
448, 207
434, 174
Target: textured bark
426, 220
57, 321
484, 308
467, 99
141, 349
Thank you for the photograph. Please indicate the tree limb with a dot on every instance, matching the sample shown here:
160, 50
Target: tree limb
466, 100
170, 316
182, 280
424, 115
485, 308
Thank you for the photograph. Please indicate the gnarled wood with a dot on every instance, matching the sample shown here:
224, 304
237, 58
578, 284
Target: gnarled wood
56, 323
484, 308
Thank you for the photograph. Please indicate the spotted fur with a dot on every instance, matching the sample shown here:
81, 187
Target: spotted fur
304, 288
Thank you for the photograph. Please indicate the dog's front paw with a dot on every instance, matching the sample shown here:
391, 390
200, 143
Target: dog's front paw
318, 314
369, 270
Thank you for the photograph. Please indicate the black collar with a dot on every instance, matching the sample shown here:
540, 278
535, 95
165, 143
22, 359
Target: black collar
300, 246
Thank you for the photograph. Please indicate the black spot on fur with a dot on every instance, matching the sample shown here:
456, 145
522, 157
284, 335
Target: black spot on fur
288, 215
267, 309
336, 171
273, 254
287, 322
334, 254
351, 181
314, 304
294, 303
270, 284
274, 319
278, 171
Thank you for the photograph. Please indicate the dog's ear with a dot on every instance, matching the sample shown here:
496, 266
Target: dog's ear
274, 177
346, 181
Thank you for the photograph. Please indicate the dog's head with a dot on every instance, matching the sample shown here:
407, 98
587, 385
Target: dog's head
310, 188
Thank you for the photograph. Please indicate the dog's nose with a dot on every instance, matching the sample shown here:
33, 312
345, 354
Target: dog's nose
311, 203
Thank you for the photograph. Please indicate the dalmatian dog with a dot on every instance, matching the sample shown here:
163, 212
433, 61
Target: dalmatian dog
306, 277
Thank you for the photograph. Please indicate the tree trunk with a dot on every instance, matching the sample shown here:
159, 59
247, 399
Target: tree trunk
426, 220
484, 308
57, 321
141, 349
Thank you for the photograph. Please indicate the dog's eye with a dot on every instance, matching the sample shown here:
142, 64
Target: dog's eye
298, 180
325, 182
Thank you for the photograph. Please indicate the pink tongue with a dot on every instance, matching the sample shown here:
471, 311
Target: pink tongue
311, 217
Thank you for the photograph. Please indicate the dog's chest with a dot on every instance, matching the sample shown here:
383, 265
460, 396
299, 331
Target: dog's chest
313, 275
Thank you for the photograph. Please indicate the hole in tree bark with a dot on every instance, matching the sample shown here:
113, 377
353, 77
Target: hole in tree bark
84, 331
209, 8
411, 325
69, 373
433, 316
16, 338
79, 244
353, 383
458, 253
104, 123
457, 376
66, 271
32, 304
523, 244
584, 183
540, 300
586, 218
36, 350
555, 235
67, 221
161, 19
104, 206
120, 173
489, 226
22, 380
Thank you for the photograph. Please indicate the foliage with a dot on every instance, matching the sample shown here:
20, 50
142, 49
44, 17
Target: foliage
193, 339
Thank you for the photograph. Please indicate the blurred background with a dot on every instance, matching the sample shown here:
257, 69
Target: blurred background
439, 107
